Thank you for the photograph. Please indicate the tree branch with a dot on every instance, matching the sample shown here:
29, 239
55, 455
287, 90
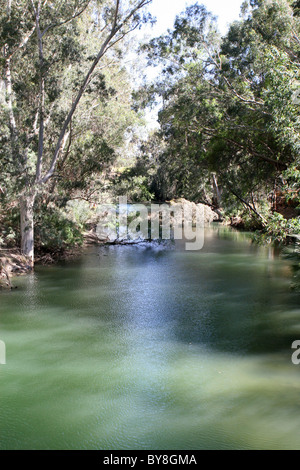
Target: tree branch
264, 222
105, 46
56, 25
42, 94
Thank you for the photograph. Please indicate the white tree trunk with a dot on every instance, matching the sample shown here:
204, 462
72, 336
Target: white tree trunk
27, 227
217, 191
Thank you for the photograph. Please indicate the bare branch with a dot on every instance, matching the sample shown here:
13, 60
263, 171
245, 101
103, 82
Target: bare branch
247, 204
245, 100
116, 15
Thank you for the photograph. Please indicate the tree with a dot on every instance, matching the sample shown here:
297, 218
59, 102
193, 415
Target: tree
228, 121
41, 49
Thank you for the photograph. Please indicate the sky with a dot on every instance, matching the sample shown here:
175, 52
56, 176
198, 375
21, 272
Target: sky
166, 10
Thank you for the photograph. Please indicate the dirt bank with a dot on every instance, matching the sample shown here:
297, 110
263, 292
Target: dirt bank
12, 263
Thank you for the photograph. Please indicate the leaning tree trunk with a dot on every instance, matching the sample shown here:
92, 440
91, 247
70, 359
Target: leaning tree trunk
27, 227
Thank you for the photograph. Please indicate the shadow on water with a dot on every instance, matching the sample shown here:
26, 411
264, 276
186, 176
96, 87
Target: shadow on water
232, 296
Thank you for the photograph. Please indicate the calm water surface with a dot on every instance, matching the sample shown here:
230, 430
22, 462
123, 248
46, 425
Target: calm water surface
148, 348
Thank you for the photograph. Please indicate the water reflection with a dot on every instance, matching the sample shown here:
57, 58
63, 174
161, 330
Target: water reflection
142, 348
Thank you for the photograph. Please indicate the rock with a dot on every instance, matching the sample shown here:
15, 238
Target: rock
209, 215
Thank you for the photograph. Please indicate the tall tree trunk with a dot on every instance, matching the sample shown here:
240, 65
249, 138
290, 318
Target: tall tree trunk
217, 191
27, 226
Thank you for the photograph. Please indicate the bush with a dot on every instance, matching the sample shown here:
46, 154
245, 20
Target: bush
55, 232
279, 229
9, 227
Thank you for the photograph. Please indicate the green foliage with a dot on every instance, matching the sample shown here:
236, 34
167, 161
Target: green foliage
135, 187
9, 226
8, 237
79, 212
229, 123
63, 118
229, 119
292, 185
292, 253
55, 232
279, 229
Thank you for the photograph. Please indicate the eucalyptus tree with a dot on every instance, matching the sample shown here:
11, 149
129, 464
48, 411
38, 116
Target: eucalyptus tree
47, 70
184, 56
228, 119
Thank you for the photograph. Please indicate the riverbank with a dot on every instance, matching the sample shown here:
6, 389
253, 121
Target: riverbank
12, 263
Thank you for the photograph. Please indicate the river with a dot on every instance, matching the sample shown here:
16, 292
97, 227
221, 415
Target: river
150, 347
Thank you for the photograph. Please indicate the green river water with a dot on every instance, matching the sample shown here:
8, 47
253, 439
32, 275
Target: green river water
160, 349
